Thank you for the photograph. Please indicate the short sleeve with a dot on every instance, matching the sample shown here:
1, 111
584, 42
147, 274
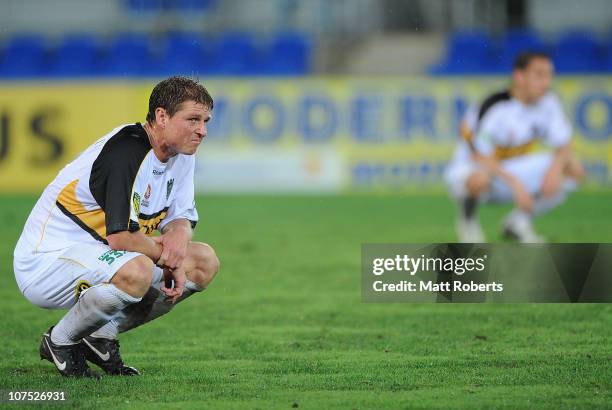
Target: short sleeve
121, 206
112, 180
557, 130
488, 130
182, 205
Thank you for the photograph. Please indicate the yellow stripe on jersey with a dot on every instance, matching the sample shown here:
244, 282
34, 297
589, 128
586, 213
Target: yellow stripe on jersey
502, 153
465, 132
92, 221
149, 223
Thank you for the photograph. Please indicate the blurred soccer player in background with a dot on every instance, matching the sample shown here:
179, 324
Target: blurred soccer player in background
495, 160
88, 243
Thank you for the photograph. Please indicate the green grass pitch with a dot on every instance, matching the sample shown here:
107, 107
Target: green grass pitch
283, 325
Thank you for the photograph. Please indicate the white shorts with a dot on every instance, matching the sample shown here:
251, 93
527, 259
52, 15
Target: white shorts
60, 283
528, 169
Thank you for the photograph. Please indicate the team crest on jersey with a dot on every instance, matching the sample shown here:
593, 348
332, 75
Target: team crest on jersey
136, 203
147, 195
169, 188
80, 287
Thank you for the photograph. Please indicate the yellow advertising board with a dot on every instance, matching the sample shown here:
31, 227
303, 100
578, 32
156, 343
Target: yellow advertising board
353, 133
43, 126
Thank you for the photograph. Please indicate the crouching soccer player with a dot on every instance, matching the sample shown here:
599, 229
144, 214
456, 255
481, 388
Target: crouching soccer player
495, 161
88, 246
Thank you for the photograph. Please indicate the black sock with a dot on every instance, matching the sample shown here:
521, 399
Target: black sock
469, 207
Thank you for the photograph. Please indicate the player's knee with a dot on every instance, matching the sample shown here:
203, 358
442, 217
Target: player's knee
478, 182
134, 277
206, 264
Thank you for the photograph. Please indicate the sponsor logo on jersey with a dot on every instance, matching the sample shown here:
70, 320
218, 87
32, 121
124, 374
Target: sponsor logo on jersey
110, 256
136, 203
80, 287
158, 172
169, 188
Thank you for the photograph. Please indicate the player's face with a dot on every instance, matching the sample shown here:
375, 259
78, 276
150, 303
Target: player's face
186, 129
536, 78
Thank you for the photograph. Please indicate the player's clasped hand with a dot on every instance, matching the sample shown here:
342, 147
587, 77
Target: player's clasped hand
179, 278
174, 249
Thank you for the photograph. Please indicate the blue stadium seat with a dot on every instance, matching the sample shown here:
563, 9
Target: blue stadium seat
152, 7
237, 54
76, 56
607, 58
144, 7
194, 5
128, 55
289, 54
515, 42
184, 54
467, 53
24, 56
578, 51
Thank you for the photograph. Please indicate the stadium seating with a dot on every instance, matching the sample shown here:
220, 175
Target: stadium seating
184, 53
573, 52
156, 6
24, 56
287, 55
128, 55
467, 53
607, 59
514, 42
139, 54
237, 54
578, 52
76, 56
189, 6
28, 55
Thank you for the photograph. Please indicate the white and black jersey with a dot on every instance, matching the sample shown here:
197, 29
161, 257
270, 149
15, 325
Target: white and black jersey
506, 127
117, 184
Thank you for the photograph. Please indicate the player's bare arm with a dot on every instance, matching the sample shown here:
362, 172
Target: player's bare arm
135, 242
522, 198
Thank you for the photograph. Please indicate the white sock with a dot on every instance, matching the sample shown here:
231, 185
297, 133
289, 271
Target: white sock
96, 306
518, 214
109, 330
518, 218
152, 306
